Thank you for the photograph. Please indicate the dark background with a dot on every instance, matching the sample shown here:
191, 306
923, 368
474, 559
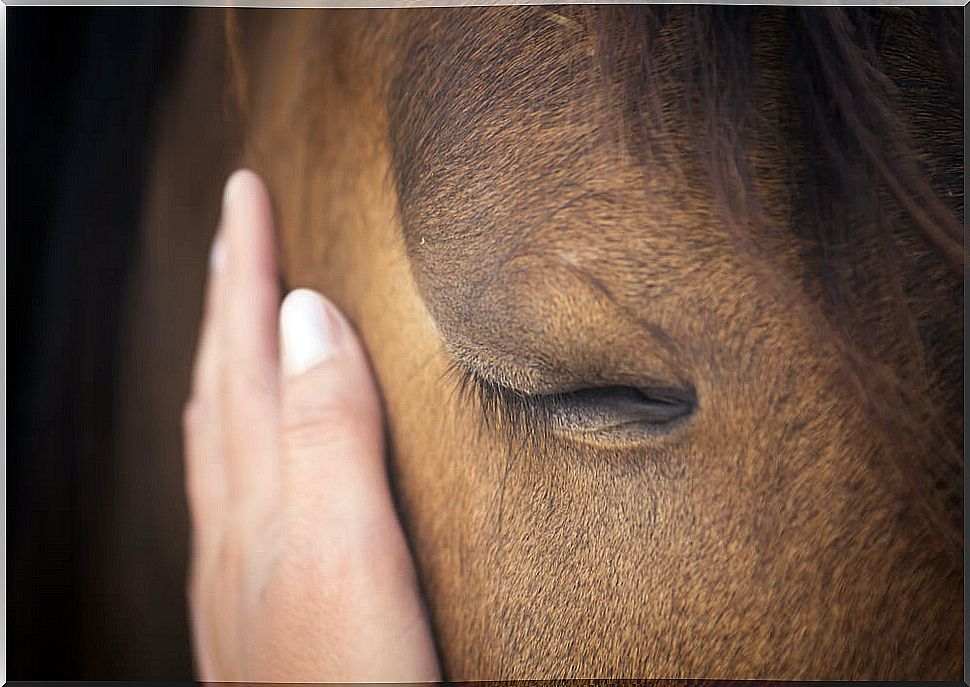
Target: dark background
81, 86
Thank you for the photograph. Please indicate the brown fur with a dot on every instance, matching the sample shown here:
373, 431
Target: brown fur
544, 199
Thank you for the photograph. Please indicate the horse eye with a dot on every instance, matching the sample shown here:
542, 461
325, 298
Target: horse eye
620, 408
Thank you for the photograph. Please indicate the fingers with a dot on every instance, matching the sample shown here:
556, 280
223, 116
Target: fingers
297, 540
332, 431
343, 537
230, 422
248, 301
251, 274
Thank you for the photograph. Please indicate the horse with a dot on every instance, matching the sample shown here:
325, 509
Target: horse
664, 303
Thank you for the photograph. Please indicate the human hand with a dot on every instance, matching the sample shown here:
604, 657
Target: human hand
300, 570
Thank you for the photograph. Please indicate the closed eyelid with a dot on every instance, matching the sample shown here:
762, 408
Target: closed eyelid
609, 409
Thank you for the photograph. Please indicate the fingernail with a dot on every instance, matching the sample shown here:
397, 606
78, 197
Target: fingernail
217, 254
307, 331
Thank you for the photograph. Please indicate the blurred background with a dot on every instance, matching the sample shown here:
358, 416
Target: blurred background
82, 85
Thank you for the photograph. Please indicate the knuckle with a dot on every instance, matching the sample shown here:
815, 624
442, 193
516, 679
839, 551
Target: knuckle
326, 567
322, 423
350, 561
247, 383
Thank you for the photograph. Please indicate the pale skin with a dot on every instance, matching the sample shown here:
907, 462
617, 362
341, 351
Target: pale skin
300, 571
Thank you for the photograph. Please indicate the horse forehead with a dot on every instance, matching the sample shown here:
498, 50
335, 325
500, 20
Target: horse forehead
509, 153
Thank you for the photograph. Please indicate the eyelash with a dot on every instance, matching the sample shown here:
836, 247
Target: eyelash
501, 408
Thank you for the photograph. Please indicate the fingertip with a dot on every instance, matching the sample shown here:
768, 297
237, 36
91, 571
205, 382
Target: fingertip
330, 417
247, 210
236, 184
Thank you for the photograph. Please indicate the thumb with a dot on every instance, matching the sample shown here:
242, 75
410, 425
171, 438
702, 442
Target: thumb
330, 416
